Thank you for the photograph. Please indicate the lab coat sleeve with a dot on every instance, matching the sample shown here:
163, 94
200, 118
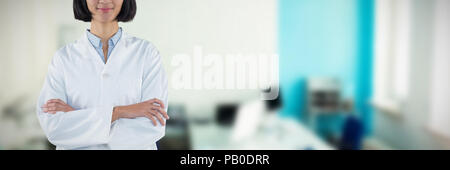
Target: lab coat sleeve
154, 85
74, 129
141, 132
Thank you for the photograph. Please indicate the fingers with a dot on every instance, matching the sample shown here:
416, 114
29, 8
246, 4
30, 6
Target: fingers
45, 110
161, 110
155, 100
52, 106
158, 116
52, 109
150, 116
56, 101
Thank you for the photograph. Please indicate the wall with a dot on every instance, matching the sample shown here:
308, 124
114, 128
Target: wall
320, 38
439, 120
409, 131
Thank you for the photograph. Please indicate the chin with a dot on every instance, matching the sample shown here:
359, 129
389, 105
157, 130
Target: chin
104, 20
104, 17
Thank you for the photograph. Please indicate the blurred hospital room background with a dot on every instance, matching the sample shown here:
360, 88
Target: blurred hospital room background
353, 74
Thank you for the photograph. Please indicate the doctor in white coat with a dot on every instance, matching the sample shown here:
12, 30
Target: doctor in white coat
107, 90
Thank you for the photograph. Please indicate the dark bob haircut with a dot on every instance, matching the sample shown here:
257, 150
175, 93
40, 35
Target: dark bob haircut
127, 13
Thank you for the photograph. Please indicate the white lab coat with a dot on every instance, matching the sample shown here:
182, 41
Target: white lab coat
77, 75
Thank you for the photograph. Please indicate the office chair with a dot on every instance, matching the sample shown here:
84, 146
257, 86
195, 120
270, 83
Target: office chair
352, 134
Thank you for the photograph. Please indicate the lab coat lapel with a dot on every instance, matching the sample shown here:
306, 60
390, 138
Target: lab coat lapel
117, 54
97, 59
92, 54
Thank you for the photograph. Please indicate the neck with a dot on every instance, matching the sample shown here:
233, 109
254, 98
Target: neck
104, 30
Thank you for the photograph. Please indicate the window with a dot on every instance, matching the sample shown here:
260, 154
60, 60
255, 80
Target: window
392, 54
439, 121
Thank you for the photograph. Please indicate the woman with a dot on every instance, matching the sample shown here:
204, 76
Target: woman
108, 90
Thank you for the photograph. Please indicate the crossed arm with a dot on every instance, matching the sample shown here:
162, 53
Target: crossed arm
69, 128
152, 109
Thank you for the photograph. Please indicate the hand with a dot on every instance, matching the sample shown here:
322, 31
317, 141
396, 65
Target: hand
150, 109
56, 105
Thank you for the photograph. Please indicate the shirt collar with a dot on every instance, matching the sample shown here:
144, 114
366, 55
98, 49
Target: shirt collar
96, 41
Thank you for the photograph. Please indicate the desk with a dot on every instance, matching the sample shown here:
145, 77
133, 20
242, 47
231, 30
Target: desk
287, 135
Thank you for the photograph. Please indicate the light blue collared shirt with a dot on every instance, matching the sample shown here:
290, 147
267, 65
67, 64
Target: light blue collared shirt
97, 43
